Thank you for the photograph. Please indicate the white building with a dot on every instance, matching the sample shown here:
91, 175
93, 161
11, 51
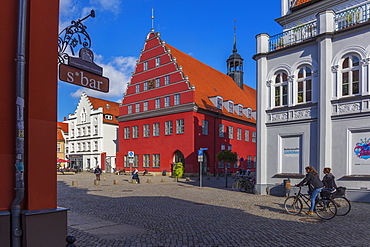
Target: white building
93, 134
313, 95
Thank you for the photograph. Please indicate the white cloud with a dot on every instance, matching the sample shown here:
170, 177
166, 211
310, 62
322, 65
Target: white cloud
119, 71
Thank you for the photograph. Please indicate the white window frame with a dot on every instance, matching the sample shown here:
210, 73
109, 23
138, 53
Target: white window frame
239, 134
168, 128
221, 130
246, 132
145, 106
157, 103
137, 107
137, 87
146, 160
135, 132
146, 130
167, 80
156, 160
231, 132
157, 82
180, 126
157, 61
126, 133
177, 99
129, 109
350, 78
281, 87
254, 136
304, 87
156, 129
145, 66
167, 101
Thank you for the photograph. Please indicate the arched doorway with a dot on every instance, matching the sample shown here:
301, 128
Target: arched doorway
178, 157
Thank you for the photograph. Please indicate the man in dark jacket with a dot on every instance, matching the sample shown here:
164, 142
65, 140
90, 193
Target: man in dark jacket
314, 185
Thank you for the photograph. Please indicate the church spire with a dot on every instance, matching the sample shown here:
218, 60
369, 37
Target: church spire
235, 64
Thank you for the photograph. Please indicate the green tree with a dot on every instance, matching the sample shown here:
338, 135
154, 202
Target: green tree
227, 156
178, 170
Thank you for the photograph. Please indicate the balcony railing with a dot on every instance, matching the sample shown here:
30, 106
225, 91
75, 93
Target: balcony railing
353, 16
293, 36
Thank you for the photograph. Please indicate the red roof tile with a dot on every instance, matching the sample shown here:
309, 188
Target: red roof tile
210, 82
109, 107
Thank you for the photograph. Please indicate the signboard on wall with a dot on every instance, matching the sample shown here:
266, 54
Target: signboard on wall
359, 151
291, 157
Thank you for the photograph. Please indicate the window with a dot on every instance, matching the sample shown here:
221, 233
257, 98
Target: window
230, 147
146, 85
58, 148
145, 106
281, 89
157, 82
204, 127
125, 160
126, 132
231, 107
157, 103
157, 61
166, 80
221, 130
146, 130
83, 131
156, 129
72, 133
146, 160
156, 160
145, 65
304, 81
72, 147
350, 76
135, 131
168, 128
221, 164
236, 165
231, 132
136, 161
83, 146
247, 135
177, 99
137, 88
129, 109
78, 132
239, 134
83, 115
137, 107
249, 161
108, 116
219, 103
95, 129
167, 101
240, 110
78, 147
95, 145
254, 136
88, 130
88, 146
222, 146
180, 126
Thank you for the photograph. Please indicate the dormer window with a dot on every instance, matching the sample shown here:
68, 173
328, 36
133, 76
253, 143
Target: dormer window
108, 117
249, 112
240, 110
231, 106
107, 106
219, 102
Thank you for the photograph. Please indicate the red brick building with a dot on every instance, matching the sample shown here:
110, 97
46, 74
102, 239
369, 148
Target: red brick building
175, 105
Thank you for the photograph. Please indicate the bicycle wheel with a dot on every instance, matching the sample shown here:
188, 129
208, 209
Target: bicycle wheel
243, 186
293, 205
325, 209
343, 205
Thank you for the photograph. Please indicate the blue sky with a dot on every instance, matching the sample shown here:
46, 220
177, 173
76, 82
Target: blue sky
203, 29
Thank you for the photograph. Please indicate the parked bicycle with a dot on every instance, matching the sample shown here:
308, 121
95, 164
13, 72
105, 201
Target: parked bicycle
244, 184
325, 208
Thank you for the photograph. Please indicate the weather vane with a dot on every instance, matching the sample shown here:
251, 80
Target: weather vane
72, 36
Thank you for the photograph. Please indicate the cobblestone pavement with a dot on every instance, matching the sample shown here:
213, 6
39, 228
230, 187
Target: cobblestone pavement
168, 213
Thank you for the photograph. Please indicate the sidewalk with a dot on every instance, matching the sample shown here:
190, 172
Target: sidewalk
168, 213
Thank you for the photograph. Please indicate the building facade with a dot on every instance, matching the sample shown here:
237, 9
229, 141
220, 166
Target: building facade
62, 136
313, 83
176, 105
93, 134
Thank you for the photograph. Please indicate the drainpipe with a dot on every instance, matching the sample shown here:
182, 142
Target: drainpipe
20, 85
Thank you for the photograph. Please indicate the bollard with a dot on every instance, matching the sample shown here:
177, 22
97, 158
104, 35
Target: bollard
163, 180
96, 182
74, 183
149, 181
115, 181
70, 240
286, 187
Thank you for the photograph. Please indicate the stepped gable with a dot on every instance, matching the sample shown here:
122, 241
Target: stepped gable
210, 82
109, 107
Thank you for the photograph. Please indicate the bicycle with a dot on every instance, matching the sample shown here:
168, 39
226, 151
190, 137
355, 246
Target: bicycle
325, 208
244, 184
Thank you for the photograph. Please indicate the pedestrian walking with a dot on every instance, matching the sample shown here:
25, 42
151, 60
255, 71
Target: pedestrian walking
97, 172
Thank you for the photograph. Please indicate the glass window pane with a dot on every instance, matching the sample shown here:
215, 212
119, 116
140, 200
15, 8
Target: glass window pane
346, 63
355, 61
308, 72
300, 73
